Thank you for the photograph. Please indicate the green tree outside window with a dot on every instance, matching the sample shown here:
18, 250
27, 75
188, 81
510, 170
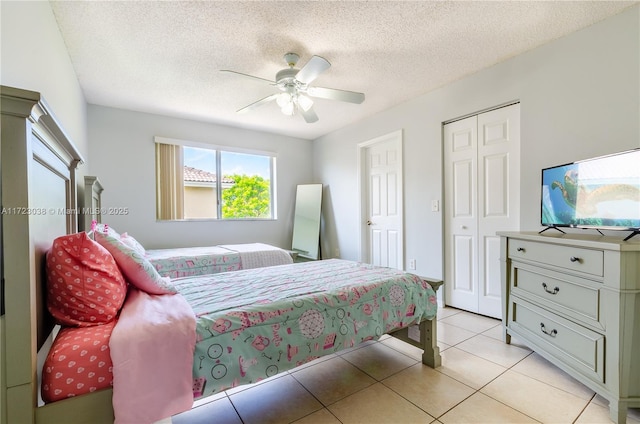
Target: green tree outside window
249, 197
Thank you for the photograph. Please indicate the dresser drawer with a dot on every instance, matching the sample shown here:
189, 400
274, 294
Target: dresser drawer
557, 291
576, 346
572, 258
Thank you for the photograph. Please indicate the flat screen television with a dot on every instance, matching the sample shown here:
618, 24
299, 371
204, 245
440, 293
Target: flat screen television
602, 193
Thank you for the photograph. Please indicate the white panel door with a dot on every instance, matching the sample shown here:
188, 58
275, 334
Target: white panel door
383, 173
461, 223
498, 197
482, 183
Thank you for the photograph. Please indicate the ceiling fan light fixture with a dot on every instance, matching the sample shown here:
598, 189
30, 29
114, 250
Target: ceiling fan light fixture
304, 102
283, 99
288, 109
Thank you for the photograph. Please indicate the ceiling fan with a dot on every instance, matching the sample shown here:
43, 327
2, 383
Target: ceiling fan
295, 91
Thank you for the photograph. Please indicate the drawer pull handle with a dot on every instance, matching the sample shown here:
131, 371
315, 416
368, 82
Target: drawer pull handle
555, 289
551, 333
520, 249
575, 259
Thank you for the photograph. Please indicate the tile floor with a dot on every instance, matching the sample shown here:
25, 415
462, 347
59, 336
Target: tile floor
481, 380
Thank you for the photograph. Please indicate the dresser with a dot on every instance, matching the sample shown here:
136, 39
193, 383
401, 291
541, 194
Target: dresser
575, 300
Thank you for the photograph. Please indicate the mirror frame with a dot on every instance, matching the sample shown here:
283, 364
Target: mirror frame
306, 222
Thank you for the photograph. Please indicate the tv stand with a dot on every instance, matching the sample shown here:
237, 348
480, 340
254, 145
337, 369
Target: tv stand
634, 233
549, 228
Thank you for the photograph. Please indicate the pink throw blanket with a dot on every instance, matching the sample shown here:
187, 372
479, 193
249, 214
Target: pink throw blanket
152, 353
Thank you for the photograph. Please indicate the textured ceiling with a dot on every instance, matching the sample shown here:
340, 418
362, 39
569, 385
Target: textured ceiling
165, 57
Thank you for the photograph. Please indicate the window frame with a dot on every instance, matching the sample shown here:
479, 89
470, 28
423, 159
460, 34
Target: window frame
219, 148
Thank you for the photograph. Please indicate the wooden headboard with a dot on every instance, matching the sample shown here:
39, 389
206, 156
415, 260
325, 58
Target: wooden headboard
37, 168
92, 209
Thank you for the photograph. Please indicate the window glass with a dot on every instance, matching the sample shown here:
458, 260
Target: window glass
246, 185
201, 183
200, 188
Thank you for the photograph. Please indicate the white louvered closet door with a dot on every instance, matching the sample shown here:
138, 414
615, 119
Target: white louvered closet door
482, 196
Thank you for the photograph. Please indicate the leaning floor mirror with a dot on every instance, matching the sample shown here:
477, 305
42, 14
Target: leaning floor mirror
306, 221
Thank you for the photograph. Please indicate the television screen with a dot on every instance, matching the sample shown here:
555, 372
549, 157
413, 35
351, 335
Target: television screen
603, 192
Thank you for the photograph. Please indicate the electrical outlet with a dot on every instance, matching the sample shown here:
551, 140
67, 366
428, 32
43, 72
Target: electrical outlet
435, 206
412, 264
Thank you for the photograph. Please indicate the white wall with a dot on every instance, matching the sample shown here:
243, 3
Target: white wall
580, 97
34, 57
123, 158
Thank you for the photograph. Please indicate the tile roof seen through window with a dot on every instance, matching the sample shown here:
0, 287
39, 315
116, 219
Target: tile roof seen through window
201, 176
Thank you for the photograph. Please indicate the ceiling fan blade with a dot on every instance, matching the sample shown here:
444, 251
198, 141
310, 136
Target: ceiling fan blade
314, 67
247, 75
309, 115
334, 94
257, 104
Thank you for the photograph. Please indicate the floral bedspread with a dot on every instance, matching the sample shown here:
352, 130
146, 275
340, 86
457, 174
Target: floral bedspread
190, 261
253, 324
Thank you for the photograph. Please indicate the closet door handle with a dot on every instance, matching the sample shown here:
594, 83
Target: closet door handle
555, 289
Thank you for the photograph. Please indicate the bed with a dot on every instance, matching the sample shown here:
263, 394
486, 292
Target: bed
184, 261
38, 177
190, 261
273, 319
226, 329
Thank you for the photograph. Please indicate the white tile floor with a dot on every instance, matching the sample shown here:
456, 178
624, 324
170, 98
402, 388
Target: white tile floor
481, 380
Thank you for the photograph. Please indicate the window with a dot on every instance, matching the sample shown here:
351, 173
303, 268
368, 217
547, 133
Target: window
207, 183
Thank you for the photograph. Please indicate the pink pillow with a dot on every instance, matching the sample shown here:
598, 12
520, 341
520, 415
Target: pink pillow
135, 267
132, 243
85, 286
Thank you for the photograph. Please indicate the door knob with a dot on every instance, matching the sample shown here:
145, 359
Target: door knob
369, 222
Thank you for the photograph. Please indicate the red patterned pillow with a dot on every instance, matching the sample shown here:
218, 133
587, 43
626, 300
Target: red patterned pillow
84, 284
79, 362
